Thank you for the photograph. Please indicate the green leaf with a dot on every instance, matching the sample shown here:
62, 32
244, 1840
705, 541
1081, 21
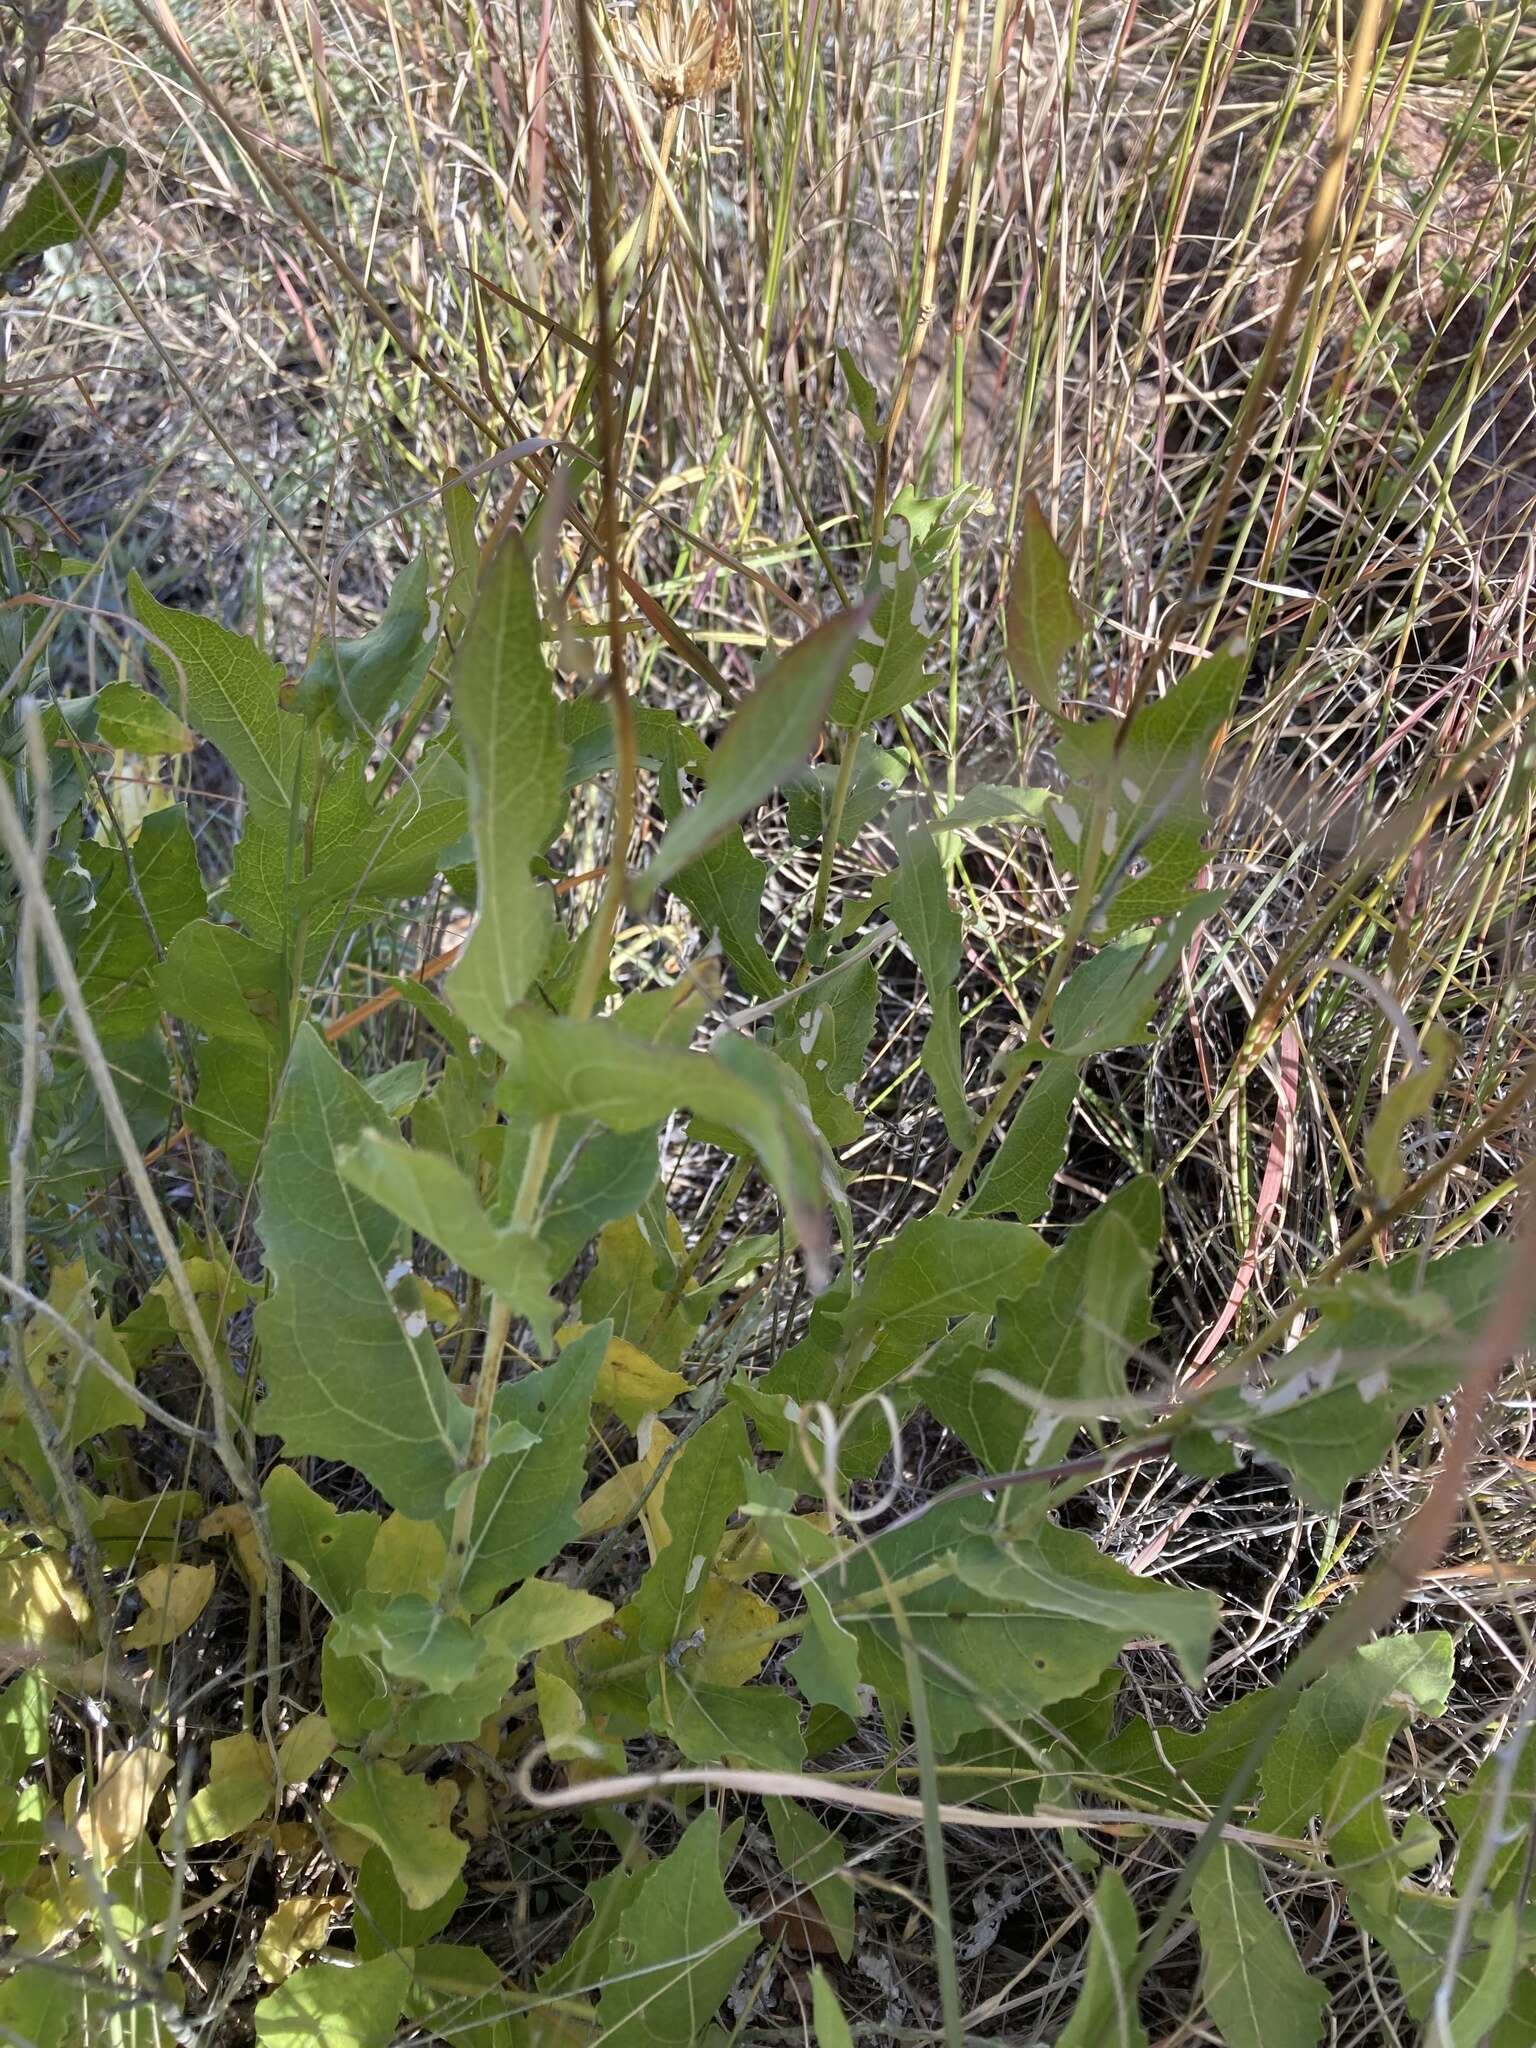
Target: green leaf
1501, 1796
383, 1923
1066, 1338
756, 1725
768, 738
882, 670
994, 803
595, 1070
877, 773
594, 1177
824, 1036
676, 1951
62, 204
1043, 621
943, 1266
118, 958
226, 688
1256, 1990
1021, 1173
232, 989
931, 926
865, 399
826, 1665
504, 705
429, 1193
1060, 1572
326, 1551
1106, 1003
406, 1817
985, 1657
1397, 1674
811, 1855
525, 1508
351, 686
355, 2004
1105, 2014
1385, 1343
345, 1378
410, 1636
703, 1488
1149, 783
135, 720
1407, 1100
1176, 1771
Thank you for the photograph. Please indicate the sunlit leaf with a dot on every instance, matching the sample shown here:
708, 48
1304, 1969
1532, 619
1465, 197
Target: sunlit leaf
62, 204
355, 2004
174, 1595
1043, 620
239, 1790
408, 1819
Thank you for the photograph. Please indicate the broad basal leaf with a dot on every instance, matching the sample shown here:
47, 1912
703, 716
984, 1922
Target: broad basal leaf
824, 1036
326, 1550
408, 1819
354, 2004
755, 1725
345, 1379
676, 1951
137, 914
1022, 1171
504, 705
1255, 1987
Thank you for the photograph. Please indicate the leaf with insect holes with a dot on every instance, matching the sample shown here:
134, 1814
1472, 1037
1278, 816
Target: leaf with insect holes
1384, 1344
64, 202
525, 1506
882, 671
676, 1950
431, 1196
136, 720
504, 706
1067, 1338
1107, 1002
408, 1819
142, 900
226, 689
877, 773
1147, 788
352, 686
1393, 1676
336, 1999
703, 1489
823, 1035
1254, 1985
1043, 621
1105, 2014
345, 1378
767, 740
326, 1551
593, 1069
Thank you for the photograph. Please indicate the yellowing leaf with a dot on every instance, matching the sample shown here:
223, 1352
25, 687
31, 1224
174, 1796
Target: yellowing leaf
405, 1816
40, 1608
407, 1557
174, 1595
117, 1811
238, 1792
615, 1500
633, 1385
234, 1522
299, 1926
735, 1647
304, 1749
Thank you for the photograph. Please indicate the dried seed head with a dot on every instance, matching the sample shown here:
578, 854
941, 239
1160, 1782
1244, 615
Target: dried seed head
683, 49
